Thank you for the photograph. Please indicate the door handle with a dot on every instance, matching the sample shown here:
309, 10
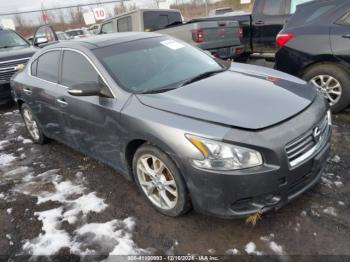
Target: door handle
62, 101
28, 91
259, 22
346, 36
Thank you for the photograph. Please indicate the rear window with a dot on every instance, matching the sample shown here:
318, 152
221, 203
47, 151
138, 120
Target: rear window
295, 3
273, 7
156, 20
311, 13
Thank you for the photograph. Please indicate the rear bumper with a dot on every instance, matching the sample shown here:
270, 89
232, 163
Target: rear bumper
5, 93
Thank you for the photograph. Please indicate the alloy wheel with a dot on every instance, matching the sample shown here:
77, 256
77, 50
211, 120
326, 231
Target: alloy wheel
157, 182
329, 86
31, 124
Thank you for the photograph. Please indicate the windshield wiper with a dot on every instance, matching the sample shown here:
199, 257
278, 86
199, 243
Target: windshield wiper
202, 76
156, 91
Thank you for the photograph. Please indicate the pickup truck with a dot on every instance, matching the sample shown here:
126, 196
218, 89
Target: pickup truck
261, 26
221, 38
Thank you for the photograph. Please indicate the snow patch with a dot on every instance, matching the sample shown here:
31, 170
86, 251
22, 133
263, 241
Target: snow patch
114, 235
6, 159
276, 248
336, 159
341, 203
232, 251
53, 238
250, 249
4, 143
330, 211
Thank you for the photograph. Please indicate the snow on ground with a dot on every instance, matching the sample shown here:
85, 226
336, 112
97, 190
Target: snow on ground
250, 249
24, 140
330, 211
232, 251
6, 159
276, 248
113, 237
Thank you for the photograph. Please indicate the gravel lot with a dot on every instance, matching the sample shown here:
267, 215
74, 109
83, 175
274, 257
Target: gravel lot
54, 199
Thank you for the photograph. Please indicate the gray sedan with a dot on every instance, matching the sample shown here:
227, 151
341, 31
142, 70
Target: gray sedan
228, 141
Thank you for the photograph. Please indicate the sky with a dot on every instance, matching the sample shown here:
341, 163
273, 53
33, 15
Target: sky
25, 5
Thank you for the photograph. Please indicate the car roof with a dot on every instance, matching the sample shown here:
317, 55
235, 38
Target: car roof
105, 40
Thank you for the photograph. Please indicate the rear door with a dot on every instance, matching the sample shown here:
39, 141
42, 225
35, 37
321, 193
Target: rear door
268, 17
340, 38
43, 93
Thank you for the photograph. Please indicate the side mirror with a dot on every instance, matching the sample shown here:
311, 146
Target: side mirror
40, 40
85, 89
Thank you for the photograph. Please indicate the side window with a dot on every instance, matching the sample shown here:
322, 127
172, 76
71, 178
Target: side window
273, 7
345, 19
124, 24
47, 66
295, 3
107, 28
84, 72
34, 67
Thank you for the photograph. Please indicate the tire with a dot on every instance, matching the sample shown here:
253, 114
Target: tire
37, 135
155, 186
340, 74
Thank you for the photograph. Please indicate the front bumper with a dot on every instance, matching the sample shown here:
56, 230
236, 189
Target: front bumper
262, 189
240, 193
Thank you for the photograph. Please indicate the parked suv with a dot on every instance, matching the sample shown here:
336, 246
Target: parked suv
315, 45
15, 52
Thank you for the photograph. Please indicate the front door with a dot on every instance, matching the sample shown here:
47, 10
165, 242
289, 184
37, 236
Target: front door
93, 122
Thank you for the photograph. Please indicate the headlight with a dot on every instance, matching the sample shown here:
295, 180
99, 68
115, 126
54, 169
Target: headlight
222, 156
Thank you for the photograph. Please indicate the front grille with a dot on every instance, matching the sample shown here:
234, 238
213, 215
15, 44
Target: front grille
305, 146
9, 68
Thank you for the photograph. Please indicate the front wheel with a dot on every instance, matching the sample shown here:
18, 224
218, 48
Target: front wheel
160, 181
32, 125
333, 82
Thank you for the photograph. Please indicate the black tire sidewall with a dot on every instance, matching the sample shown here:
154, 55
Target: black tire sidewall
183, 204
42, 138
339, 73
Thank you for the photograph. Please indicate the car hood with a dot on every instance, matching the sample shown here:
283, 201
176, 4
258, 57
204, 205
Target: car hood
16, 53
244, 96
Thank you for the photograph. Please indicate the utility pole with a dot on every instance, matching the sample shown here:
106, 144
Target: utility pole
206, 7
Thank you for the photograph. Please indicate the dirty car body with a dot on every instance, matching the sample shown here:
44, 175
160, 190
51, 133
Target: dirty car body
281, 121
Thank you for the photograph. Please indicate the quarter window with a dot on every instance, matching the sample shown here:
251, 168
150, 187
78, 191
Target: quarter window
47, 66
345, 20
156, 20
273, 7
107, 28
124, 24
77, 70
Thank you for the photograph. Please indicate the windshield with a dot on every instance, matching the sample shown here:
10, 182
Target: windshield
11, 39
154, 63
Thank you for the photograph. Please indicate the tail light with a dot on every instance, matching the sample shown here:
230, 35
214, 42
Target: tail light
198, 36
283, 38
